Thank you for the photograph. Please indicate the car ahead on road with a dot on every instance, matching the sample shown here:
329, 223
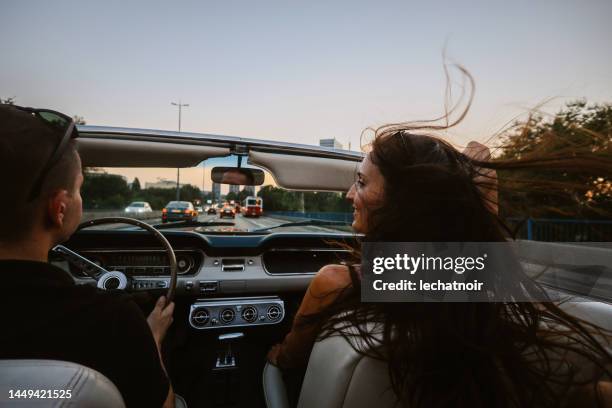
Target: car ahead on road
179, 211
252, 207
238, 283
227, 211
211, 210
138, 207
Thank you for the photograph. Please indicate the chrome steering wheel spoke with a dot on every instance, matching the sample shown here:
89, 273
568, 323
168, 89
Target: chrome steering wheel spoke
90, 268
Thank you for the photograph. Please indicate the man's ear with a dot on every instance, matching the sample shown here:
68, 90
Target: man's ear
56, 208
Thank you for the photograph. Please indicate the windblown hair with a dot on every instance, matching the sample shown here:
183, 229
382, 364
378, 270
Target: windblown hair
462, 354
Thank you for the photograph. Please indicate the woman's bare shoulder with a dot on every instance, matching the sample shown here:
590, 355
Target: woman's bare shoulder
324, 288
331, 277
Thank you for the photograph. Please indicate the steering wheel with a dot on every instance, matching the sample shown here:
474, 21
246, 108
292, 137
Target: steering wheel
108, 280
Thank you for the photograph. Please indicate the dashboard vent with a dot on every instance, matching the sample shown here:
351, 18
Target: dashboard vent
274, 313
249, 314
227, 315
200, 317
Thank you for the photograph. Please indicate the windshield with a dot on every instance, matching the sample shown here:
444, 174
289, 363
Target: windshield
108, 191
174, 204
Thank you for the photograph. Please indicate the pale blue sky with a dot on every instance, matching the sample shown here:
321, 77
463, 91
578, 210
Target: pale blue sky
300, 71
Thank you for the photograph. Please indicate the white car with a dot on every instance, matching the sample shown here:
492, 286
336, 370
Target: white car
138, 207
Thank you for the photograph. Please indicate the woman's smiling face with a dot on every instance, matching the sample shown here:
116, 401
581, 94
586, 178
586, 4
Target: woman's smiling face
366, 194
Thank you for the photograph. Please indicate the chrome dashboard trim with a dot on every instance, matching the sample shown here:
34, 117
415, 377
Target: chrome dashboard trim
237, 303
177, 251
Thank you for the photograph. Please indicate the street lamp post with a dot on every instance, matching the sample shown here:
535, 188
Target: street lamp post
203, 180
178, 170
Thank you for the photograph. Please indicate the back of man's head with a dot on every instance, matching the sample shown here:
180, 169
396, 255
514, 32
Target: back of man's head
26, 145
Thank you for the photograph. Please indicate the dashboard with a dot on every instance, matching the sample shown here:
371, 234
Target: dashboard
233, 280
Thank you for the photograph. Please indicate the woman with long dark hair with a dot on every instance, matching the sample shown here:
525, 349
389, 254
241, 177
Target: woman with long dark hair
417, 188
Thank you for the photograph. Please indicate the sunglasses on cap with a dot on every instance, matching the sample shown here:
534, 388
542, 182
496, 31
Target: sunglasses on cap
61, 123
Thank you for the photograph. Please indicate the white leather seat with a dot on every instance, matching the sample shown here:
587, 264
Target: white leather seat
338, 376
88, 387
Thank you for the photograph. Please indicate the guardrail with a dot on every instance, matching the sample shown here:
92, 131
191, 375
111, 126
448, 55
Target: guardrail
93, 214
562, 230
532, 229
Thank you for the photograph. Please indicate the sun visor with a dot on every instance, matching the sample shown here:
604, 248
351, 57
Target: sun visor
297, 172
140, 153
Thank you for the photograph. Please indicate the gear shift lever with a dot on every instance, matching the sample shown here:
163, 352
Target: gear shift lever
227, 359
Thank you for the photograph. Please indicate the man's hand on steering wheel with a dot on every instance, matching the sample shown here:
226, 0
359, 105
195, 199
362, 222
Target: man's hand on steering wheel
160, 319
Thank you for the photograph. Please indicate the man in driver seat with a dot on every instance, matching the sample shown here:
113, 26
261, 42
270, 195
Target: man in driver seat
44, 314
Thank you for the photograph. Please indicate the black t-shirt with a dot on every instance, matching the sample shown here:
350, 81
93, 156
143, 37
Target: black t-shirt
45, 315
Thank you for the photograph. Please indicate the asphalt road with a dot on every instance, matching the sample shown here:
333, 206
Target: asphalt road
240, 222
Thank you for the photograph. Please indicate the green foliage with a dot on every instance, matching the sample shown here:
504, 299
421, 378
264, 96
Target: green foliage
231, 196
136, 185
242, 195
156, 197
579, 129
207, 196
326, 202
278, 199
190, 193
103, 191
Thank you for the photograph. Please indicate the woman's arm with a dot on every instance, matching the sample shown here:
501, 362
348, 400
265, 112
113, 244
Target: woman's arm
322, 291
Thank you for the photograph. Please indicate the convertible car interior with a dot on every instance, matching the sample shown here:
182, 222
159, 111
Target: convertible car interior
237, 290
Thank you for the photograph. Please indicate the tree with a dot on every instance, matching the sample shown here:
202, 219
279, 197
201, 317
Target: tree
278, 199
105, 191
578, 128
190, 192
157, 197
231, 196
136, 185
9, 101
243, 194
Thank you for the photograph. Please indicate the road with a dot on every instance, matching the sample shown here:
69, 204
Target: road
241, 223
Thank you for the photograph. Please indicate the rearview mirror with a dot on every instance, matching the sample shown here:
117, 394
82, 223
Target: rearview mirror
238, 176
